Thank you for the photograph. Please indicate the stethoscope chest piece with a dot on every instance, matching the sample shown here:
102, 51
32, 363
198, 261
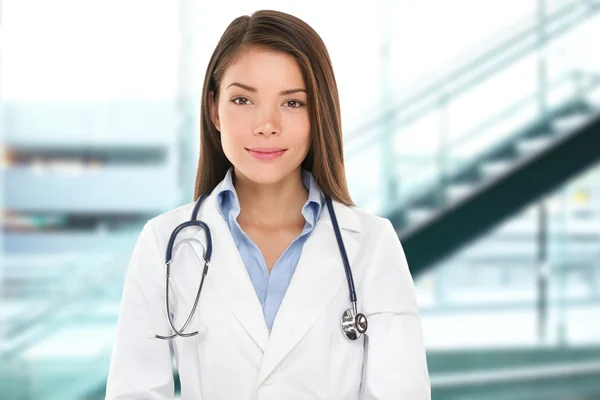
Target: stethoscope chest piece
354, 324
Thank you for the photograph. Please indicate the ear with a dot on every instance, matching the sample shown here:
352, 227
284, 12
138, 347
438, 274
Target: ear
214, 110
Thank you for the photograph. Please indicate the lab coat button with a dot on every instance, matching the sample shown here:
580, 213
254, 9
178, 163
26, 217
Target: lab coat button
268, 380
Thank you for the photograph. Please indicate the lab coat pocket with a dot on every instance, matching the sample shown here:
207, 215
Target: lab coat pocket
189, 358
189, 362
346, 361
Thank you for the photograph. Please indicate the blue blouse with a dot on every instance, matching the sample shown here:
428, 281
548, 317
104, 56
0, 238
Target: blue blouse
270, 288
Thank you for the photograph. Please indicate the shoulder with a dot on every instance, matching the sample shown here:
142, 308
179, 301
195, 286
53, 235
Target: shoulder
373, 226
385, 280
378, 239
163, 224
174, 216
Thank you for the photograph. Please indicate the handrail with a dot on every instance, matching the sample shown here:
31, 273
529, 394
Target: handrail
590, 84
63, 299
463, 77
516, 374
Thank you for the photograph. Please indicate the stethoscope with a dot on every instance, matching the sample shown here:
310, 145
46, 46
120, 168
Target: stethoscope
354, 324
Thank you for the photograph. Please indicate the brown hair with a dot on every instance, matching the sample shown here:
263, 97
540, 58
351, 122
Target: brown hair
281, 32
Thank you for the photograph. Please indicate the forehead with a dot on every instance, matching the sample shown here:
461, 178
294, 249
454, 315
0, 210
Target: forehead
264, 69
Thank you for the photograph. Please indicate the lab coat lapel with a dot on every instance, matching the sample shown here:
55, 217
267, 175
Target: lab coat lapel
229, 275
318, 276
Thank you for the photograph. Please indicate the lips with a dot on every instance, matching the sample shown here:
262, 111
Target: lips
266, 150
269, 153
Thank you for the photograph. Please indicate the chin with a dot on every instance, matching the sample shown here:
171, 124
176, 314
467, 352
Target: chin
266, 174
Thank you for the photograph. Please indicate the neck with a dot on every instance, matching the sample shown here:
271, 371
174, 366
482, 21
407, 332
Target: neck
271, 205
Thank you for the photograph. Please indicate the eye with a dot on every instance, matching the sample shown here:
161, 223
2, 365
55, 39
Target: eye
242, 101
294, 103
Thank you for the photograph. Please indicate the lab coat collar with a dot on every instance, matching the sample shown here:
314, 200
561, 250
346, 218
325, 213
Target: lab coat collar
318, 277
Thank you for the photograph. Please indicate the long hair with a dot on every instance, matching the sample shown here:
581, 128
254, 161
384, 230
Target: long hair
281, 32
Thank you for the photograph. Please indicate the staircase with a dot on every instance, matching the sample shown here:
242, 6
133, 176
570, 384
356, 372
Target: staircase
485, 191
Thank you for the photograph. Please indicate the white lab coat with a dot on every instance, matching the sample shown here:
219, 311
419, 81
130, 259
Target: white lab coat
306, 355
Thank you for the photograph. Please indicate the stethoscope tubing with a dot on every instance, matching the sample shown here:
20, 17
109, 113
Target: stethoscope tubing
207, 253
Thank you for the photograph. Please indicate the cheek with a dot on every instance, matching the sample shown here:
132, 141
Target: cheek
298, 127
234, 130
304, 139
233, 121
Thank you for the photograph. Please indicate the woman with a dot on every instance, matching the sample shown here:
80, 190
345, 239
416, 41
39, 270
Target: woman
269, 314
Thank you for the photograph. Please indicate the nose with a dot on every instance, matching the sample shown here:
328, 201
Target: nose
268, 122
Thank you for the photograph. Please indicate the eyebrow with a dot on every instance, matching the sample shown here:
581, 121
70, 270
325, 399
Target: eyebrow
254, 90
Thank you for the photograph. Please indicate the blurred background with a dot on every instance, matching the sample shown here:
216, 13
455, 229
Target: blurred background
474, 126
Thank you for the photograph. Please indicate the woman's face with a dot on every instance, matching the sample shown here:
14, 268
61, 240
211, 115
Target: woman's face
262, 115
